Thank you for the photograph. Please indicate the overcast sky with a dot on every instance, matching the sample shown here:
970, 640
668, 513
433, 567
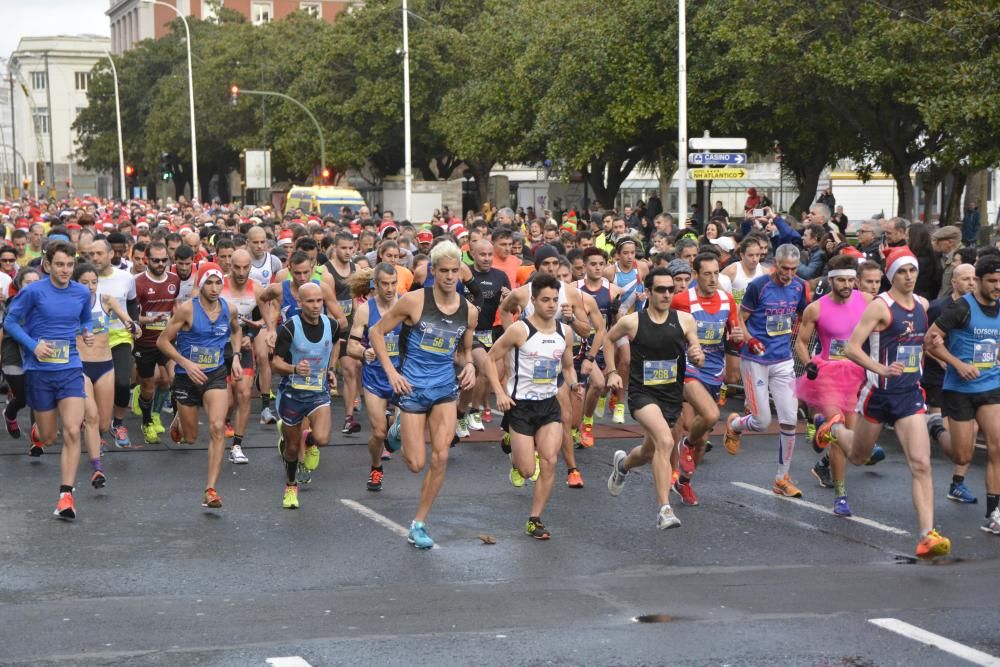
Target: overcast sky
23, 18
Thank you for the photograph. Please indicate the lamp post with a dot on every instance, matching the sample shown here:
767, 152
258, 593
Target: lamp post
407, 156
195, 191
236, 91
52, 148
682, 199
118, 118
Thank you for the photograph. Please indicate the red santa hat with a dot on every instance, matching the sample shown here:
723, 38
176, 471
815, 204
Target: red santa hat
207, 270
896, 258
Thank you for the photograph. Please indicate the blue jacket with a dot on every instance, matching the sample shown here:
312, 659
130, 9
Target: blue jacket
811, 266
785, 233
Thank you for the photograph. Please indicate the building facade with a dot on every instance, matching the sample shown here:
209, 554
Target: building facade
51, 76
135, 20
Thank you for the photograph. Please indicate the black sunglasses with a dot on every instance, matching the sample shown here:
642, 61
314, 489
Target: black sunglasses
162, 260
664, 289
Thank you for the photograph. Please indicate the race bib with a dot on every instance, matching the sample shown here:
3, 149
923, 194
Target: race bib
206, 357
909, 356
347, 306
984, 355
485, 337
60, 352
838, 349
778, 325
313, 381
710, 333
738, 295
158, 324
545, 371
392, 344
438, 340
663, 371
99, 324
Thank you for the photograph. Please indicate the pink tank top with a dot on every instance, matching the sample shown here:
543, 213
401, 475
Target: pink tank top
835, 324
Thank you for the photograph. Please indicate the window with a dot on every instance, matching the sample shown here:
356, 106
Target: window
82, 80
210, 10
39, 80
41, 118
260, 13
312, 8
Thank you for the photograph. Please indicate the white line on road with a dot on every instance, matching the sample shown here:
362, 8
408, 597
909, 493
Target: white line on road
947, 645
378, 518
826, 510
290, 661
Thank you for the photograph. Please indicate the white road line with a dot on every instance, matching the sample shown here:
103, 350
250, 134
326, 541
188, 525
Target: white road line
947, 645
826, 510
290, 661
376, 517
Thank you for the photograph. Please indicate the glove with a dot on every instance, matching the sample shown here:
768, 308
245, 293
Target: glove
812, 370
755, 347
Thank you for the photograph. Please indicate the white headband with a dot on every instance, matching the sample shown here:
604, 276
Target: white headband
842, 273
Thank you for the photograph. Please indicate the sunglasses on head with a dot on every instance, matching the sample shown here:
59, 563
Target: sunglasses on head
664, 289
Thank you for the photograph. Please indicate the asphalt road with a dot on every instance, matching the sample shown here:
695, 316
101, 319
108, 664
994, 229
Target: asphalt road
146, 576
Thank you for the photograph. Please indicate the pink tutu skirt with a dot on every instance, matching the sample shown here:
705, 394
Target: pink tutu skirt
835, 388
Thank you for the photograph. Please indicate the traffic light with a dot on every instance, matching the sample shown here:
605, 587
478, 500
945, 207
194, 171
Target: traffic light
235, 95
129, 171
166, 169
325, 176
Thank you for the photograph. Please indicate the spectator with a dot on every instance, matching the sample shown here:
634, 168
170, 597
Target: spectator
753, 200
813, 257
928, 265
970, 225
868, 242
948, 240
826, 198
719, 211
840, 219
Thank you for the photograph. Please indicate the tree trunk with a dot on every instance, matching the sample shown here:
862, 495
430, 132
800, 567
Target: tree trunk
480, 170
928, 186
952, 211
904, 189
807, 182
666, 165
617, 171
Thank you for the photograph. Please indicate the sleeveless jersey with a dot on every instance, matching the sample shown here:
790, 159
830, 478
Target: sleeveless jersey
628, 282
262, 271
98, 317
741, 280
901, 341
372, 374
186, 288
431, 343
836, 322
529, 308
658, 364
317, 354
536, 364
976, 344
245, 302
602, 295
205, 342
341, 288
156, 299
711, 336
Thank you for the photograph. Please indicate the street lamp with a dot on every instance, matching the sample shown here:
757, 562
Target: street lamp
407, 156
195, 192
118, 117
682, 190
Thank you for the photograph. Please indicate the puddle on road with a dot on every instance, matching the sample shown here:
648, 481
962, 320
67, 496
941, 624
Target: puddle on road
653, 618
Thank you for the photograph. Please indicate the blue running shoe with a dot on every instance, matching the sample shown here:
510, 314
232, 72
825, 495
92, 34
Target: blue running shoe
878, 455
960, 493
840, 506
818, 421
392, 441
418, 536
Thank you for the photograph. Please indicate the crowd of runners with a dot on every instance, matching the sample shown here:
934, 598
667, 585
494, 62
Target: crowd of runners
181, 312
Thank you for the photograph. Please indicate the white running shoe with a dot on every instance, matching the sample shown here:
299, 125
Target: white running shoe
462, 428
616, 481
666, 518
475, 421
267, 416
236, 455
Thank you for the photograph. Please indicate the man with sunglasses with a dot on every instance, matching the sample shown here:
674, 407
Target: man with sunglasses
659, 336
8, 269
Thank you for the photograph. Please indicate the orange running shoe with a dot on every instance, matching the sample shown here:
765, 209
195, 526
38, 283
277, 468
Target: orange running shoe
732, 439
574, 479
587, 435
230, 431
784, 487
65, 509
933, 545
211, 499
37, 446
824, 432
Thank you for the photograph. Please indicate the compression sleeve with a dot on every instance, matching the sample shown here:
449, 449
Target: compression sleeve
477, 294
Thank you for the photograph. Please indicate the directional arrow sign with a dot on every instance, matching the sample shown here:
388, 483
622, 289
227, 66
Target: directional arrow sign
712, 174
717, 144
717, 158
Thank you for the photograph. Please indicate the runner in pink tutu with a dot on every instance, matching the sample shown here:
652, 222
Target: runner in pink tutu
831, 382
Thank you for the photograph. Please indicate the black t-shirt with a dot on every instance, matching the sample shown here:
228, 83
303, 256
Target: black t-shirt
313, 333
490, 283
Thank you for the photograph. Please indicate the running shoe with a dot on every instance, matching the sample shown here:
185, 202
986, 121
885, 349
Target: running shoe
37, 446
351, 426
375, 480
538, 470
992, 523
666, 518
291, 499
933, 545
574, 436
685, 457
602, 403
158, 424
812, 428
840, 506
960, 493
304, 475
619, 417
723, 391
822, 474
687, 494
784, 487
877, 456
418, 536
462, 427
810, 432
574, 479
267, 416
616, 481
732, 438
65, 508
120, 434
168, 404
237, 456
515, 477
536, 529
211, 499
386, 455
505, 442
98, 479
824, 431
134, 401
587, 435
475, 421
612, 401
487, 415
393, 440
312, 457
149, 434
175, 429
230, 431
13, 428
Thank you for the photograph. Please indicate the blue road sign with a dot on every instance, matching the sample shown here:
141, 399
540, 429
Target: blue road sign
717, 158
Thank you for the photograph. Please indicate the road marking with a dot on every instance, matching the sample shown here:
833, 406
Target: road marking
290, 661
826, 510
378, 518
947, 645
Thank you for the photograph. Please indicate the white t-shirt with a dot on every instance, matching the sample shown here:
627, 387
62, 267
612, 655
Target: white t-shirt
120, 286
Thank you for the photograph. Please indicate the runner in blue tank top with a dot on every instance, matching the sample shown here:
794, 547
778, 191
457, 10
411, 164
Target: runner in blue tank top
894, 324
971, 329
439, 322
604, 293
304, 355
381, 284
286, 292
206, 330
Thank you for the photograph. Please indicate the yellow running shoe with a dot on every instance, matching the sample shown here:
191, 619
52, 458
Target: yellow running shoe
538, 469
312, 458
158, 424
515, 477
151, 435
933, 545
291, 499
136, 410
602, 403
619, 417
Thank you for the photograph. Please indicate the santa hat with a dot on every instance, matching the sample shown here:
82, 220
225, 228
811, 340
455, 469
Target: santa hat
896, 258
285, 237
207, 270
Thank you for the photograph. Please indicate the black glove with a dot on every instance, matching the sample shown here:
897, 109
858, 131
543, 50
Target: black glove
812, 370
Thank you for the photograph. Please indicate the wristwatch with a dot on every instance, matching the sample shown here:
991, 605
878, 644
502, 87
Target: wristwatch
590, 357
